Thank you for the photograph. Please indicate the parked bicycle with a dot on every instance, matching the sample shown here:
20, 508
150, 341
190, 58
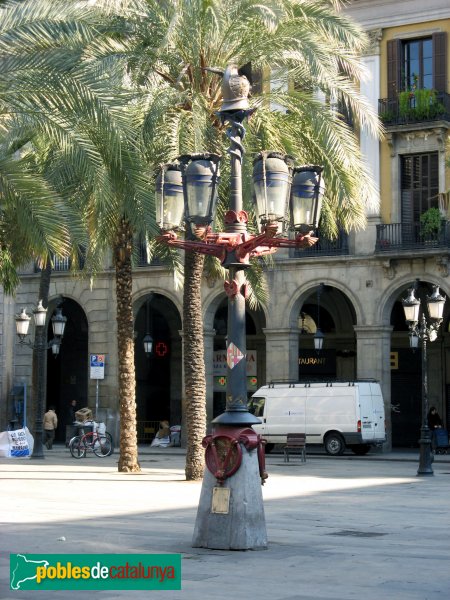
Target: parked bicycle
100, 444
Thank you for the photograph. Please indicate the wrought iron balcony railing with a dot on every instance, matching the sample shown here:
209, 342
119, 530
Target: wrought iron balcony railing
414, 107
408, 236
64, 263
325, 247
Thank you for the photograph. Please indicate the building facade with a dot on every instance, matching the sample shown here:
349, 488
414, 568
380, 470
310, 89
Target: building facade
350, 287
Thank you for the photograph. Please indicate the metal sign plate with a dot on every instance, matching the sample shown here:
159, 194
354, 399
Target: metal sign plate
220, 501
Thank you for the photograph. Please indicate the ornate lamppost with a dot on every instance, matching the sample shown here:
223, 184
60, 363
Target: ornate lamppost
420, 329
231, 513
40, 345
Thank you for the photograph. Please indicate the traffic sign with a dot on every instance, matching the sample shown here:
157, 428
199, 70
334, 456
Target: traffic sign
97, 364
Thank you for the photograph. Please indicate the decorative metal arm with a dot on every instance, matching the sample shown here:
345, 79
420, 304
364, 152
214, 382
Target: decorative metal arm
424, 331
243, 245
37, 345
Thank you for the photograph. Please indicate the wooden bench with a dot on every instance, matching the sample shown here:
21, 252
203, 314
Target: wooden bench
295, 442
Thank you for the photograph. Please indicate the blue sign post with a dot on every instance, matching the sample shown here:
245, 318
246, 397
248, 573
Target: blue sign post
97, 371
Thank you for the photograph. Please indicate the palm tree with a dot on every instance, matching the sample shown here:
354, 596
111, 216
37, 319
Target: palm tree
169, 44
46, 107
33, 218
64, 107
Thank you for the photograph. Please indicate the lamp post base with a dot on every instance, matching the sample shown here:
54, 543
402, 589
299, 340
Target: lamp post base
38, 447
38, 454
425, 456
231, 516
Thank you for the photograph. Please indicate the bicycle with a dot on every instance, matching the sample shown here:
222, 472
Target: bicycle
100, 444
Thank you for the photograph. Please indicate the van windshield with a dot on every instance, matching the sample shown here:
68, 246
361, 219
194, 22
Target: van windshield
256, 406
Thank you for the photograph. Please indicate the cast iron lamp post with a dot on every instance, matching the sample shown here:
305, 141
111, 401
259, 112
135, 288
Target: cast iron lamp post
40, 345
231, 513
421, 330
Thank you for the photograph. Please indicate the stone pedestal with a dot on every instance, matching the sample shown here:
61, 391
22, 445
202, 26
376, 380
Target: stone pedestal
243, 527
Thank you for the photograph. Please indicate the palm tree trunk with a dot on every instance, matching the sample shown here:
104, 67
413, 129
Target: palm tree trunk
194, 365
128, 459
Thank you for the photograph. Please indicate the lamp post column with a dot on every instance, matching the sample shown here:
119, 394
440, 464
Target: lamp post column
40, 347
236, 412
425, 434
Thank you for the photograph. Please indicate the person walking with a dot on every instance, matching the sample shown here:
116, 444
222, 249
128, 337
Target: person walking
50, 425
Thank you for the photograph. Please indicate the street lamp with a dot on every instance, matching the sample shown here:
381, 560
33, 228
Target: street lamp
318, 340
148, 344
231, 512
420, 329
319, 336
147, 340
40, 345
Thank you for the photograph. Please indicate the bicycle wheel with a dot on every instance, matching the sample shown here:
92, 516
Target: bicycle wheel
102, 446
77, 448
109, 436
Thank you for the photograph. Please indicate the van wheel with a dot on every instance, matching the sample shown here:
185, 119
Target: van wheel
268, 448
334, 444
361, 449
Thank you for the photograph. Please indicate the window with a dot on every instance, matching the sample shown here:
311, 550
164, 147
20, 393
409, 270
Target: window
256, 406
418, 64
420, 185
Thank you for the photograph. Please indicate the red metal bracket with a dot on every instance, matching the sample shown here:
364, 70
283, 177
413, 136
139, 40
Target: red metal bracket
231, 288
244, 245
223, 454
231, 216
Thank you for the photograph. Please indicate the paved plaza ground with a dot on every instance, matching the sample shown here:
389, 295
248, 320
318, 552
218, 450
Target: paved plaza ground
338, 527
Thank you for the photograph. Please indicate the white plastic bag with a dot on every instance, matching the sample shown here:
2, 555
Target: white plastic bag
17, 443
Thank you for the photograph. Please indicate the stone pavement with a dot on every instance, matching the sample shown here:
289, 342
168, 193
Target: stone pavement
339, 528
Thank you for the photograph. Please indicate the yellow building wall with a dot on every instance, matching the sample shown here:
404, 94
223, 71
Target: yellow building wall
419, 30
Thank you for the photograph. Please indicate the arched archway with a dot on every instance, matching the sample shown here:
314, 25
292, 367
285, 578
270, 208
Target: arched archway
158, 375
67, 373
256, 355
329, 309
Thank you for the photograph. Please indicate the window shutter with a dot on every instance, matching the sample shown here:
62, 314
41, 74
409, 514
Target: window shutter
257, 81
440, 61
393, 67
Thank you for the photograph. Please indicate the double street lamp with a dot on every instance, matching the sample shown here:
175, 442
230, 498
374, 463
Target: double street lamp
286, 197
40, 345
424, 331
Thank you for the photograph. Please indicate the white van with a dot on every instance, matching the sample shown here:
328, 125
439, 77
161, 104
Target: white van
336, 414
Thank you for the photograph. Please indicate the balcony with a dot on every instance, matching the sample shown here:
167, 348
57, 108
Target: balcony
409, 236
325, 247
64, 263
419, 106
